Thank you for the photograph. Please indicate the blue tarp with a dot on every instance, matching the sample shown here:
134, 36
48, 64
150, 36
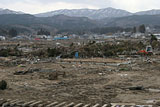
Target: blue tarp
61, 38
76, 55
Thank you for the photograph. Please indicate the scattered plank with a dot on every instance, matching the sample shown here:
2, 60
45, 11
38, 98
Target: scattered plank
52, 104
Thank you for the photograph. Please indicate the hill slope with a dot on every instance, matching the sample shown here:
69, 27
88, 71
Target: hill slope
149, 12
58, 22
134, 20
27, 22
7, 11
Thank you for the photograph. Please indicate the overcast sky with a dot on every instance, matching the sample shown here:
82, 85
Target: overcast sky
38, 6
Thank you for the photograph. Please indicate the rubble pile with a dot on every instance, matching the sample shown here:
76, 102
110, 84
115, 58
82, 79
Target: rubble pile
89, 73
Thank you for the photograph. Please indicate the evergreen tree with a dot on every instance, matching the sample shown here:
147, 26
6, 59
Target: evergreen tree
43, 32
153, 38
134, 30
142, 29
13, 32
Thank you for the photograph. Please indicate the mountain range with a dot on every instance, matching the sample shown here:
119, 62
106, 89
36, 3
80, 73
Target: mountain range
90, 13
77, 19
97, 13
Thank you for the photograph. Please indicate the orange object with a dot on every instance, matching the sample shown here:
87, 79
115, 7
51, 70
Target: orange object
143, 52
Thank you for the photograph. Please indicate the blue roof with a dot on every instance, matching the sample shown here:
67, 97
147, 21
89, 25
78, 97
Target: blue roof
61, 38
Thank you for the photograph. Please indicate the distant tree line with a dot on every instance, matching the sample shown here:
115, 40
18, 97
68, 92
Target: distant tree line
110, 30
3, 32
13, 32
141, 29
99, 30
10, 32
43, 32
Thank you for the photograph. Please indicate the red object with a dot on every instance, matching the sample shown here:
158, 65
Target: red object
36, 39
143, 52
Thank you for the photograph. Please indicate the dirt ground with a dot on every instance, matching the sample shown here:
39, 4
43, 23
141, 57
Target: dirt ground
87, 81
93, 80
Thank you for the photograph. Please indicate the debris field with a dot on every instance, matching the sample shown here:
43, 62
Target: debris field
128, 80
